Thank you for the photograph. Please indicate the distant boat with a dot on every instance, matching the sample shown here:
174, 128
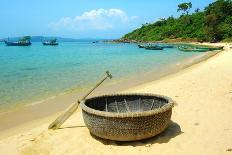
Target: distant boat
210, 48
167, 46
191, 49
25, 41
151, 47
141, 46
52, 42
154, 47
198, 48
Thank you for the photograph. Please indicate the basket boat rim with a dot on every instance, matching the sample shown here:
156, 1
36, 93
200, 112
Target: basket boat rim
164, 108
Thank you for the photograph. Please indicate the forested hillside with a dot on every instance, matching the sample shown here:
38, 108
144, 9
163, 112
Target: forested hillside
214, 23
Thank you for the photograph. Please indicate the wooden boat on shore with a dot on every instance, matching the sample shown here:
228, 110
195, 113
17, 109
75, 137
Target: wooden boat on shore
52, 42
25, 41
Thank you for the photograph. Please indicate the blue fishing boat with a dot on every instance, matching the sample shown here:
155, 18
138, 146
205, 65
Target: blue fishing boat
25, 41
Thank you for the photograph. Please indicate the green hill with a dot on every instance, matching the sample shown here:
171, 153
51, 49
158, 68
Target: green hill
212, 24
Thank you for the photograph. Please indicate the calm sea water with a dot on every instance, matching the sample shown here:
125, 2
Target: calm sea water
29, 74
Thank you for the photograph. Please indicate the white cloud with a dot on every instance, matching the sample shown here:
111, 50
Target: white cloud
99, 19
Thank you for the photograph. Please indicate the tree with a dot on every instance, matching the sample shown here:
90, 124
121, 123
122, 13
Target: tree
185, 7
214, 23
197, 10
215, 17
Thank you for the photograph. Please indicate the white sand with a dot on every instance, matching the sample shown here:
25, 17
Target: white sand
202, 119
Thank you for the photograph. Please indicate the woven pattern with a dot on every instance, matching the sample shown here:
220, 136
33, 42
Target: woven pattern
127, 117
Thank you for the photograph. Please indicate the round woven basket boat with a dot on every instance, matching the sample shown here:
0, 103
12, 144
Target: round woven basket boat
127, 117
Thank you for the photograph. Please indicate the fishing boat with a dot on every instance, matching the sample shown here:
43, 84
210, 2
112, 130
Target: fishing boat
210, 48
25, 41
52, 42
154, 47
151, 47
141, 46
191, 49
18, 43
167, 46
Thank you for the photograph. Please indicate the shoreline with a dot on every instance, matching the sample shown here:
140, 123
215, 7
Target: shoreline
203, 93
51, 106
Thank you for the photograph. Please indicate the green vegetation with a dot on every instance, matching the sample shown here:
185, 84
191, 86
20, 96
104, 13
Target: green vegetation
212, 24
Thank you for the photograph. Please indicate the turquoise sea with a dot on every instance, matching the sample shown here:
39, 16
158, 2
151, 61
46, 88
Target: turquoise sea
30, 74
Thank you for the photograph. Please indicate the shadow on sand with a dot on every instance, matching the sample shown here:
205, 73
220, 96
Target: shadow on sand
171, 132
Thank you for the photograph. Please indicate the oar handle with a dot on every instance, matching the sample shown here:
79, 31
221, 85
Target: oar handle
107, 75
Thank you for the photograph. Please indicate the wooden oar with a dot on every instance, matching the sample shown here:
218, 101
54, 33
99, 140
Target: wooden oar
71, 109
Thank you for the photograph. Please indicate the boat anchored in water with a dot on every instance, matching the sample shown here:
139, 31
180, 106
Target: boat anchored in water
151, 47
25, 41
167, 46
141, 46
52, 42
154, 47
198, 48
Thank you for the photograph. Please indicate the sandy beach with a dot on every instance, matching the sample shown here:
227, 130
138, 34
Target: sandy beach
201, 119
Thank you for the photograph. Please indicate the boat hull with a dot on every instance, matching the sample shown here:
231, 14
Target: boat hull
154, 48
50, 44
141, 46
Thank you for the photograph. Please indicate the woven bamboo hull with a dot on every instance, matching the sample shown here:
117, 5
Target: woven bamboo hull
130, 129
127, 117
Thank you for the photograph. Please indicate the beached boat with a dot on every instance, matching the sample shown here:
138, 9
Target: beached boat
127, 117
25, 41
52, 42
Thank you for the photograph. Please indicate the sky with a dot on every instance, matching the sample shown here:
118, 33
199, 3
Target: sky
106, 19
